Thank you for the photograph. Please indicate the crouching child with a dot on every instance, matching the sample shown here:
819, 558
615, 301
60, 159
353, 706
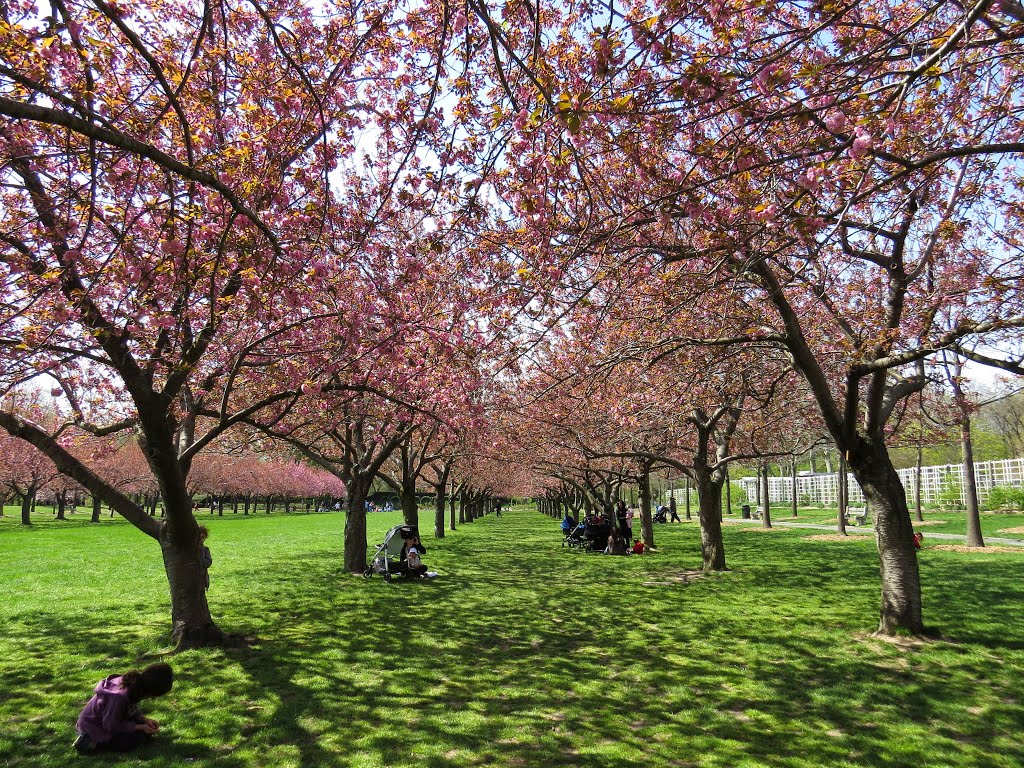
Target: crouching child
111, 721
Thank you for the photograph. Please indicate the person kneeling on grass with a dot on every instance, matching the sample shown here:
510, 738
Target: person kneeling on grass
111, 720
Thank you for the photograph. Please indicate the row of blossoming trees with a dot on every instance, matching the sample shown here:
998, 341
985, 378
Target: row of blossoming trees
193, 245
831, 187
330, 225
224, 482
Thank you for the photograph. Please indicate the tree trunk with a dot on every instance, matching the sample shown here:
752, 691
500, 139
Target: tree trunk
410, 509
355, 525
62, 503
794, 499
97, 508
766, 516
709, 512
646, 521
440, 502
452, 501
974, 537
917, 484
26, 507
191, 622
841, 500
688, 499
894, 533
728, 492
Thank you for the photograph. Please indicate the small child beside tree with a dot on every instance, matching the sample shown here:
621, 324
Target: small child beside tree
111, 720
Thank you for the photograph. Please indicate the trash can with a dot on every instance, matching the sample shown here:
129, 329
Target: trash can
745, 510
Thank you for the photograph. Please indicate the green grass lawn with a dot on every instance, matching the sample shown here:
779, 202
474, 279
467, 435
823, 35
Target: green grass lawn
521, 654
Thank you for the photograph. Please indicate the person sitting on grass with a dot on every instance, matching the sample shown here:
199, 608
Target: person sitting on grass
411, 564
638, 547
111, 720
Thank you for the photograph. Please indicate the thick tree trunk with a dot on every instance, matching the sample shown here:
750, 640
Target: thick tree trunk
355, 525
26, 507
709, 512
410, 509
974, 537
646, 521
894, 533
440, 503
191, 622
62, 503
97, 508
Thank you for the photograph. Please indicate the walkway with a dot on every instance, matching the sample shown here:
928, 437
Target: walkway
866, 529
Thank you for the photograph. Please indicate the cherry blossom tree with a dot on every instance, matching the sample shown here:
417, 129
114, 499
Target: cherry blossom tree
173, 243
779, 149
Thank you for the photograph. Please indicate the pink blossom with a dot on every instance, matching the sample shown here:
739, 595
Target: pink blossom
835, 121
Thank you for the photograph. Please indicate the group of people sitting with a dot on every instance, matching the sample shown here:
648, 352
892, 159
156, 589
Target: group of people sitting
595, 528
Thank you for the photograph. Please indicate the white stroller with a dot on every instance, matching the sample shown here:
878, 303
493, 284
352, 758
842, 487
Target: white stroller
387, 559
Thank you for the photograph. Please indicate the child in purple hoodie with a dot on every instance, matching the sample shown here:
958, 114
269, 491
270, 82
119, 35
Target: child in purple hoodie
111, 720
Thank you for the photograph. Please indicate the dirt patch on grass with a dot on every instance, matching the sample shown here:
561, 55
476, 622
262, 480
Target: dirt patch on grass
1018, 529
835, 537
873, 640
976, 550
930, 522
760, 529
683, 577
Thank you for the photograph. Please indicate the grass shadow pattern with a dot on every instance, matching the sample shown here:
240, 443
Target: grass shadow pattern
523, 653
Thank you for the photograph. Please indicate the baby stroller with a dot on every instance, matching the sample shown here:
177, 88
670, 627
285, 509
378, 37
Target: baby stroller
575, 537
596, 534
386, 560
660, 516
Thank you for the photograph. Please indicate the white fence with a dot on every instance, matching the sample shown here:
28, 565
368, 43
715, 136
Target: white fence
937, 482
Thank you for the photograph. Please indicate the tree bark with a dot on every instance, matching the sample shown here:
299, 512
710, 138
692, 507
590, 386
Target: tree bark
841, 500
355, 524
192, 626
646, 521
794, 487
766, 516
26, 506
709, 512
410, 509
894, 532
974, 536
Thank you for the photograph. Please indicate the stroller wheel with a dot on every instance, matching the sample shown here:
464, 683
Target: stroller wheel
387, 577
367, 573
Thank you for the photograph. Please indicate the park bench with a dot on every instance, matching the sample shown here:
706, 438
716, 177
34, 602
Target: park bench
856, 515
757, 513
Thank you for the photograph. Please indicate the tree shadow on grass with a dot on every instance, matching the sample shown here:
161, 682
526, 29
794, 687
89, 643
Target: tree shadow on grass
525, 654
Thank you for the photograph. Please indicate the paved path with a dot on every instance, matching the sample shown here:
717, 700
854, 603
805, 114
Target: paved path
866, 529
